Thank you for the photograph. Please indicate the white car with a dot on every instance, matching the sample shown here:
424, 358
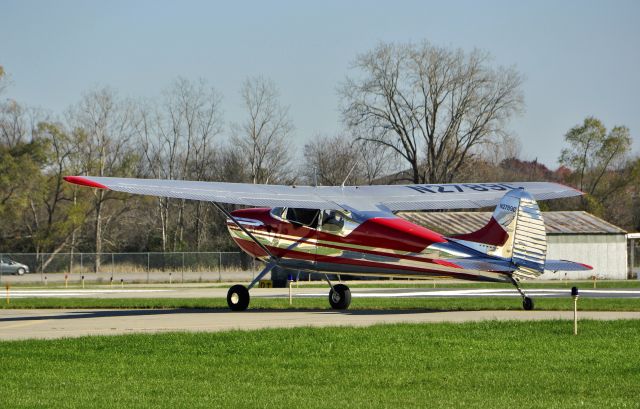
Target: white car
8, 266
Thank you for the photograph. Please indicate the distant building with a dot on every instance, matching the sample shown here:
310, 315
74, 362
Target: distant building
575, 236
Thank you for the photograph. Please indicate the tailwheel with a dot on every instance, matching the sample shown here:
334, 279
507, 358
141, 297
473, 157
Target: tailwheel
527, 303
238, 298
340, 297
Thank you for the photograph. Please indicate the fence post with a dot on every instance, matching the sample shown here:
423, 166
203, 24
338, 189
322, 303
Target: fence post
182, 277
1, 272
633, 256
148, 264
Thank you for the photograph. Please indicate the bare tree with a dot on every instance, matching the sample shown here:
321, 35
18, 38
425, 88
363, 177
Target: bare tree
104, 126
263, 136
332, 160
329, 159
178, 142
429, 104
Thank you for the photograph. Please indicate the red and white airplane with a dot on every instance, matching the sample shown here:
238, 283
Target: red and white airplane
352, 230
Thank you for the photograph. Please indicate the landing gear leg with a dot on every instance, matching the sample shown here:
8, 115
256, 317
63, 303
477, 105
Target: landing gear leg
527, 302
238, 295
339, 295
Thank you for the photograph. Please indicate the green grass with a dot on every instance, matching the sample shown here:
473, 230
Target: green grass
585, 284
480, 303
471, 365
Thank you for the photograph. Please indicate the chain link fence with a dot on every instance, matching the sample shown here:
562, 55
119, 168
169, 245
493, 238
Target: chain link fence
132, 267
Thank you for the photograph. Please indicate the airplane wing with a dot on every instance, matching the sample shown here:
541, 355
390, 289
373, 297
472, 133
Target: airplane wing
380, 198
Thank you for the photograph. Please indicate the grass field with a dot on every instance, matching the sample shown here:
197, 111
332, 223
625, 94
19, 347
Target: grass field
583, 284
473, 365
449, 304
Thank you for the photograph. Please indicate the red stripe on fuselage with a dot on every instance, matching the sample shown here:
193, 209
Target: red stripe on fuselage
366, 251
253, 248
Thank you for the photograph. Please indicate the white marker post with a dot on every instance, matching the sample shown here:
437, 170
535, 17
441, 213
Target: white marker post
290, 281
574, 295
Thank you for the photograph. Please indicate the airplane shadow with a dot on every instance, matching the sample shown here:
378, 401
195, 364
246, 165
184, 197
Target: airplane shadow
74, 315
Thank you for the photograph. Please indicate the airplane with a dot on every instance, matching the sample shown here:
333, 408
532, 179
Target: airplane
353, 231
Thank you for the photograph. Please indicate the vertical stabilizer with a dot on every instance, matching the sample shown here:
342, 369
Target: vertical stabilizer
515, 232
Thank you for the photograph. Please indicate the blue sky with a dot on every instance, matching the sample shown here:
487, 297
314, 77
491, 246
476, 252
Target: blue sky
579, 57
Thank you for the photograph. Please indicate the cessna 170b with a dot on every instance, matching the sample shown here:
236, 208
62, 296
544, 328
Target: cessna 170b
352, 230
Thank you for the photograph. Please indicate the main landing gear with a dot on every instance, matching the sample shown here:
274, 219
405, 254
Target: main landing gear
527, 302
238, 297
340, 297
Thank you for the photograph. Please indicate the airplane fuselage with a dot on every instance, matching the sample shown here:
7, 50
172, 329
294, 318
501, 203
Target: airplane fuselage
336, 242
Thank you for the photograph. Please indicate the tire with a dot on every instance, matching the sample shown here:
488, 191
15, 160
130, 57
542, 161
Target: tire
238, 298
340, 297
20, 271
527, 304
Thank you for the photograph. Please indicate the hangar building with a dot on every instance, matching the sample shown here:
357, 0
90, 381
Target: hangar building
572, 235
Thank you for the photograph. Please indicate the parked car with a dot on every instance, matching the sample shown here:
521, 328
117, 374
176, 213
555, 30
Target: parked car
8, 266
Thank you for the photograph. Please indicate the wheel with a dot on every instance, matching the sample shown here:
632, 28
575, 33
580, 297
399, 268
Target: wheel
20, 271
340, 297
527, 304
238, 298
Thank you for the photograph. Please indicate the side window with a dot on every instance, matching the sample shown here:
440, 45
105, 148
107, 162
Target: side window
336, 222
303, 217
332, 220
278, 212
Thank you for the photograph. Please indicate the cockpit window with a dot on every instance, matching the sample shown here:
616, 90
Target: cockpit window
278, 212
304, 217
332, 220
337, 222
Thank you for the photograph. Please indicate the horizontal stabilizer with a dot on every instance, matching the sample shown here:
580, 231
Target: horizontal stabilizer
483, 264
564, 265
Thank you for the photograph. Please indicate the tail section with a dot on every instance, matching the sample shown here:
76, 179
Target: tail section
515, 232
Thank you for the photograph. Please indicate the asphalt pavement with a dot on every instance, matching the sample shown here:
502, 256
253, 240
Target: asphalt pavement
51, 324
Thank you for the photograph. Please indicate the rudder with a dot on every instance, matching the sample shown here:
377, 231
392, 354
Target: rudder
515, 232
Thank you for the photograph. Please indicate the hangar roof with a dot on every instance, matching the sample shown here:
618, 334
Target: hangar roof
570, 222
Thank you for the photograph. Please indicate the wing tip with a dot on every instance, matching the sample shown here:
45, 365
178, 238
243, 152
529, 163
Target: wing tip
580, 192
81, 180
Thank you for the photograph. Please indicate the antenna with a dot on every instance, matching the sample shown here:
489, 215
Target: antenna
349, 174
